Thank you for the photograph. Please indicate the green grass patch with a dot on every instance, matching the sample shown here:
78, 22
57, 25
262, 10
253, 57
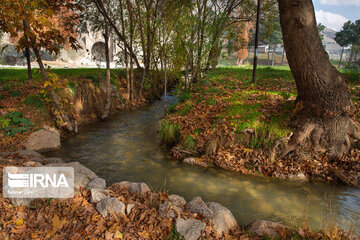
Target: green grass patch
189, 143
20, 74
188, 106
169, 132
35, 101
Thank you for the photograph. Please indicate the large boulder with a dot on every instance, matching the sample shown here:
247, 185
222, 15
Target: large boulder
197, 205
222, 219
264, 228
110, 206
190, 229
44, 140
134, 187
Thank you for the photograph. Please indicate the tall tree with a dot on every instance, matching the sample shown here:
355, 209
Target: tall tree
324, 106
39, 21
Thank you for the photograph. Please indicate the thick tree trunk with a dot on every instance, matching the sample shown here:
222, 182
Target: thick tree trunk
108, 83
341, 55
324, 103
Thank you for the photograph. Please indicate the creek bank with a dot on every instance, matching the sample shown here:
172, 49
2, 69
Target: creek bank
128, 209
82, 98
227, 122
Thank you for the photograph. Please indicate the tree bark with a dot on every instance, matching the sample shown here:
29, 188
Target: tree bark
108, 83
324, 101
273, 56
282, 57
54, 96
341, 55
27, 53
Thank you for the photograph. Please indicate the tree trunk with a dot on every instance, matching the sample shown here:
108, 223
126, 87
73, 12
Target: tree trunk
324, 101
127, 74
165, 85
268, 60
273, 56
351, 54
282, 57
341, 55
27, 53
108, 83
54, 96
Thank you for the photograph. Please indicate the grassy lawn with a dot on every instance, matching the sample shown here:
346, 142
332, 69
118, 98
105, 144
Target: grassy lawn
20, 74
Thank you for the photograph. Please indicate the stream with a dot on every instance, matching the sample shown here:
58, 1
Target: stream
127, 147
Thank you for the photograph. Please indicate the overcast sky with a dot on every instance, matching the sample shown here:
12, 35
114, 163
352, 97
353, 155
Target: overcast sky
334, 13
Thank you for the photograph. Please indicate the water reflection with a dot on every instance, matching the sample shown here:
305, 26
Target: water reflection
127, 148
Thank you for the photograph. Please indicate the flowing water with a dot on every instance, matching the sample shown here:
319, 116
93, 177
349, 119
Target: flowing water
127, 147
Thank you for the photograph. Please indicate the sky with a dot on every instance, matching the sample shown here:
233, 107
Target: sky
334, 13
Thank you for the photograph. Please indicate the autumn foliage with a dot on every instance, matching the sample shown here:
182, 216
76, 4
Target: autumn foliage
48, 24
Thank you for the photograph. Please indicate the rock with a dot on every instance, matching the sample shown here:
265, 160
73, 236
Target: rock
297, 177
96, 195
197, 205
222, 219
47, 139
16, 202
110, 206
32, 164
52, 160
190, 229
170, 210
266, 228
82, 175
194, 161
23, 154
129, 207
97, 183
134, 187
177, 200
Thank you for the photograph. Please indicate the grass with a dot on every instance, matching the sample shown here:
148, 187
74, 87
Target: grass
265, 108
189, 143
169, 132
20, 74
